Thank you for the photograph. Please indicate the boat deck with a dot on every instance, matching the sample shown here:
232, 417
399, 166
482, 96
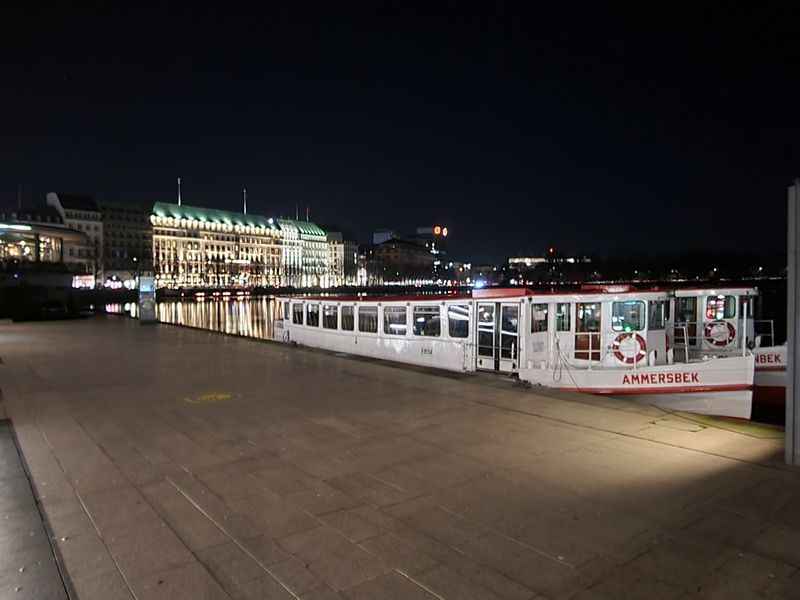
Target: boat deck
176, 463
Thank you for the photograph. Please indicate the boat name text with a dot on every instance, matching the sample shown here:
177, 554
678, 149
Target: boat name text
658, 378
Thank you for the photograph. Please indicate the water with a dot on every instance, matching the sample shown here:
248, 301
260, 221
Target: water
247, 317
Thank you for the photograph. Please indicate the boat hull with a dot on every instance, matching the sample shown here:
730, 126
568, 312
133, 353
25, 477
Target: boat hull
770, 378
722, 387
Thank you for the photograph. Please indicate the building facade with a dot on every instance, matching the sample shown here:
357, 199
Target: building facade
81, 213
200, 247
399, 261
127, 241
305, 254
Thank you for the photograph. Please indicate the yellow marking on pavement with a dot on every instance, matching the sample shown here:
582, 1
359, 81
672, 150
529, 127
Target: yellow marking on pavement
209, 398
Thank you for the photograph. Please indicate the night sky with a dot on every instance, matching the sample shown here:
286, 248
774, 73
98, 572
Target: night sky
606, 133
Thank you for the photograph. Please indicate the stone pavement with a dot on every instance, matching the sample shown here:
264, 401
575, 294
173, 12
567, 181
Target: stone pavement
175, 463
28, 568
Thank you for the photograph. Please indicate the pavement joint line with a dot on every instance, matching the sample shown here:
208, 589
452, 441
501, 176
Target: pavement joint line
63, 575
233, 539
89, 516
419, 584
553, 558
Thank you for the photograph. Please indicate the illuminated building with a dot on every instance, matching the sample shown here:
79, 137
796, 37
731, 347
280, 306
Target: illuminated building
305, 254
81, 213
201, 247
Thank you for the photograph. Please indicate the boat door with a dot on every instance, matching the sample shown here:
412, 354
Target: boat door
498, 336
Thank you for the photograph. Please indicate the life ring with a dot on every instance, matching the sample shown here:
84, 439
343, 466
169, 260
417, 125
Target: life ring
616, 348
719, 333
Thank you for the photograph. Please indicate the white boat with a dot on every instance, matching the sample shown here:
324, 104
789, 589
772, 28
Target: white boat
716, 321
601, 340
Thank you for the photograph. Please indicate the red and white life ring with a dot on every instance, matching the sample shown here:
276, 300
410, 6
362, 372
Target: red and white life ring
719, 333
618, 347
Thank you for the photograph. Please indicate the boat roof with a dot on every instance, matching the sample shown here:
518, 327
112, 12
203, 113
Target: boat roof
717, 291
591, 292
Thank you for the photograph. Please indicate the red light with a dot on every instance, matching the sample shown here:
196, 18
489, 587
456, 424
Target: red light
552, 250
437, 230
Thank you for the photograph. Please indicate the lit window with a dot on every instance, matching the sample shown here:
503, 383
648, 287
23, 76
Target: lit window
563, 316
368, 319
330, 316
312, 315
458, 320
538, 318
658, 314
628, 315
720, 307
347, 318
394, 320
427, 321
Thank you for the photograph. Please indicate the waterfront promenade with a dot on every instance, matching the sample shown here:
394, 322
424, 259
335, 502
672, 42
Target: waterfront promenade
176, 463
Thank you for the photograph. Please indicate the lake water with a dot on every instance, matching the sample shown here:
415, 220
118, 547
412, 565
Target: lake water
248, 317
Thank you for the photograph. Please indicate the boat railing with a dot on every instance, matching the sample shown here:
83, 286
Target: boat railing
763, 328
684, 331
682, 338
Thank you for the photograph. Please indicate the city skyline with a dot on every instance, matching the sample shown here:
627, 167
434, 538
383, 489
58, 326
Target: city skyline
602, 135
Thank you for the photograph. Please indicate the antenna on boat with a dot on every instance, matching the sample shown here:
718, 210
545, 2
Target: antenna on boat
179, 191
296, 211
244, 198
308, 212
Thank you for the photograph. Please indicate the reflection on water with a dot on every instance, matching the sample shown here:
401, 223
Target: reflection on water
249, 317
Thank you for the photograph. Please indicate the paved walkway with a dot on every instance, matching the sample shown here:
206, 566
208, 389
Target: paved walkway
174, 463
28, 568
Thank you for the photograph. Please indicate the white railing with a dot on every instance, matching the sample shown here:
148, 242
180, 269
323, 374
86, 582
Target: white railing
685, 336
683, 327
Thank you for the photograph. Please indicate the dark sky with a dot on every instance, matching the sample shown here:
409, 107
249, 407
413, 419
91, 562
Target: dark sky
612, 133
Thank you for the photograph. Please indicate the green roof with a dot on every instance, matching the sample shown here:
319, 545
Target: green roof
211, 215
304, 227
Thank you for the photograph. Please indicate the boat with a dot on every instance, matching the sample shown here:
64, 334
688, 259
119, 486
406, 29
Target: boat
717, 321
606, 340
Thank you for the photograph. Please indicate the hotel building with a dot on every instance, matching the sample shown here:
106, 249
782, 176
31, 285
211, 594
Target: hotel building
201, 247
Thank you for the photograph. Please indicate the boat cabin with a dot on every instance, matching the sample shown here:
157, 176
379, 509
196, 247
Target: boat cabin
713, 320
499, 330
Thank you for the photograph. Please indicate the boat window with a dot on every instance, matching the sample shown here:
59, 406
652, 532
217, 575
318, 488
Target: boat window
368, 319
658, 315
427, 321
312, 315
286, 311
685, 310
509, 318
627, 315
563, 316
330, 316
538, 318
394, 320
588, 317
458, 320
297, 314
347, 318
720, 307
486, 314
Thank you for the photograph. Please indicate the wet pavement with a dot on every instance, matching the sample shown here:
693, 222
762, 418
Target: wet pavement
176, 463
